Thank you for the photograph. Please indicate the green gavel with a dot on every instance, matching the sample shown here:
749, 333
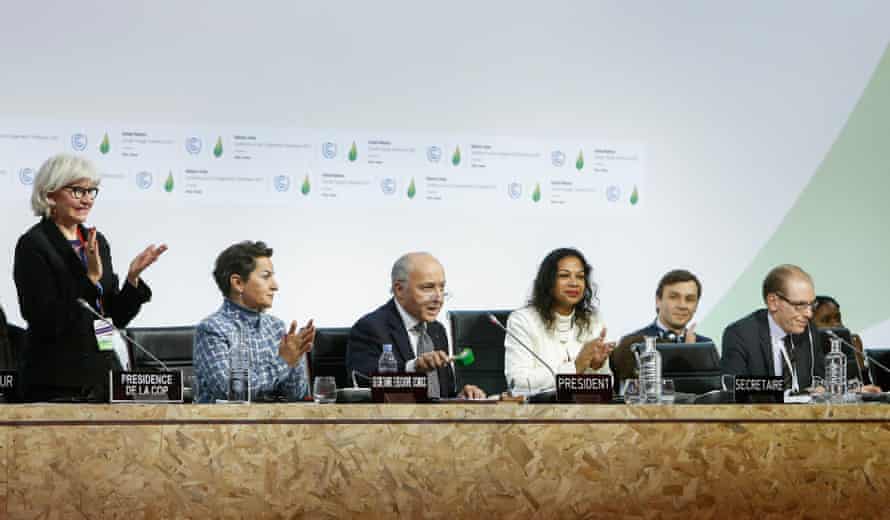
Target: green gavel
465, 357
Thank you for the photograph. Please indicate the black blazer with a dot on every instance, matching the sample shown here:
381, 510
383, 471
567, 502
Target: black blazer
49, 278
747, 350
384, 325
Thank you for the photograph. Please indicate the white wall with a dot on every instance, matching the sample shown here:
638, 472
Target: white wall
736, 105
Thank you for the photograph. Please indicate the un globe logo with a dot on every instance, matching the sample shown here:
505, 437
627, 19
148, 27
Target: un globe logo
282, 183
144, 180
388, 186
193, 145
79, 142
26, 176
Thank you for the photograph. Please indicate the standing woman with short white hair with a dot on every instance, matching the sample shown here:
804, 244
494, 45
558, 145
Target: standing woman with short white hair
58, 261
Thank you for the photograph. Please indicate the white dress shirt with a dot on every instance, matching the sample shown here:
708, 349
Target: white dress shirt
777, 339
413, 335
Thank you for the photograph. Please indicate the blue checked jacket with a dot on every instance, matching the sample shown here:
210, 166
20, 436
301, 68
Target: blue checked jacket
270, 376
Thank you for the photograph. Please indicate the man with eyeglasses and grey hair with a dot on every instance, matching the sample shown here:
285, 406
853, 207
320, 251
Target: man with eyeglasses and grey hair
408, 323
778, 340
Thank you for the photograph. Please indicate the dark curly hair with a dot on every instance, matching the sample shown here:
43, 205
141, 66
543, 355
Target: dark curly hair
238, 259
542, 292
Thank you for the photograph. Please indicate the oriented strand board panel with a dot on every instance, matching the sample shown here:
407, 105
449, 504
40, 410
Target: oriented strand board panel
444, 461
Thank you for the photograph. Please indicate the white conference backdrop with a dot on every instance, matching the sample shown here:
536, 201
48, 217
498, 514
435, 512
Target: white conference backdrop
734, 104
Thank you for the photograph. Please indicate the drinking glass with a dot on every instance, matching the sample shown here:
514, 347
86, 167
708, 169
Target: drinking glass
817, 390
632, 391
667, 391
324, 390
854, 389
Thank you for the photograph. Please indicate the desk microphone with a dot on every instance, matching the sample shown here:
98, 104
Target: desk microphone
355, 393
495, 321
83, 303
865, 356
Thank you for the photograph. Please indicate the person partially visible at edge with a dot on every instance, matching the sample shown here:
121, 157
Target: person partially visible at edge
7, 359
827, 315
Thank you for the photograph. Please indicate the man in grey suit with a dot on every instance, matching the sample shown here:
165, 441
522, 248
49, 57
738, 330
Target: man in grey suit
777, 340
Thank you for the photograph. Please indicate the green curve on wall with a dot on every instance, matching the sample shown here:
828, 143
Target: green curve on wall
837, 230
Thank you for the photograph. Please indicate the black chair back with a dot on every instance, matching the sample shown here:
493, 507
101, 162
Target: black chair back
694, 368
328, 355
172, 345
471, 329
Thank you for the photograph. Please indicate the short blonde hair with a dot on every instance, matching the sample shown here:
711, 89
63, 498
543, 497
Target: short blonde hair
57, 172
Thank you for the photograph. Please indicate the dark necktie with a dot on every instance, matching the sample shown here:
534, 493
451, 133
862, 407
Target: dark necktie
787, 370
424, 345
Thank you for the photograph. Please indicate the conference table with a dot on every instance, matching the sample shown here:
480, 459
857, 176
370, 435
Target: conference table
461, 459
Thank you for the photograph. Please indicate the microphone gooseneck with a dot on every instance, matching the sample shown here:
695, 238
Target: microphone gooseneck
495, 321
83, 303
355, 372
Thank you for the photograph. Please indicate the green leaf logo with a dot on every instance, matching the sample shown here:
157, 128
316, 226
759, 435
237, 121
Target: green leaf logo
455, 157
579, 163
353, 152
304, 189
218, 149
168, 184
105, 146
412, 190
635, 196
536, 195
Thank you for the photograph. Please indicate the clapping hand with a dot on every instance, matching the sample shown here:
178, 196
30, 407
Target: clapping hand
690, 333
296, 343
594, 353
144, 259
94, 261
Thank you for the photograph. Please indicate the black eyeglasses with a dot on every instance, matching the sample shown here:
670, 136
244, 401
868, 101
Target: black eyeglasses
799, 306
78, 192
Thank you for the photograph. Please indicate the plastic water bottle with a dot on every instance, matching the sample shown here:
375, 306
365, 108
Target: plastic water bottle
387, 363
835, 372
239, 370
650, 373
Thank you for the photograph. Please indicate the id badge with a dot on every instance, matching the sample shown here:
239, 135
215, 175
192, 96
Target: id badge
104, 335
109, 340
